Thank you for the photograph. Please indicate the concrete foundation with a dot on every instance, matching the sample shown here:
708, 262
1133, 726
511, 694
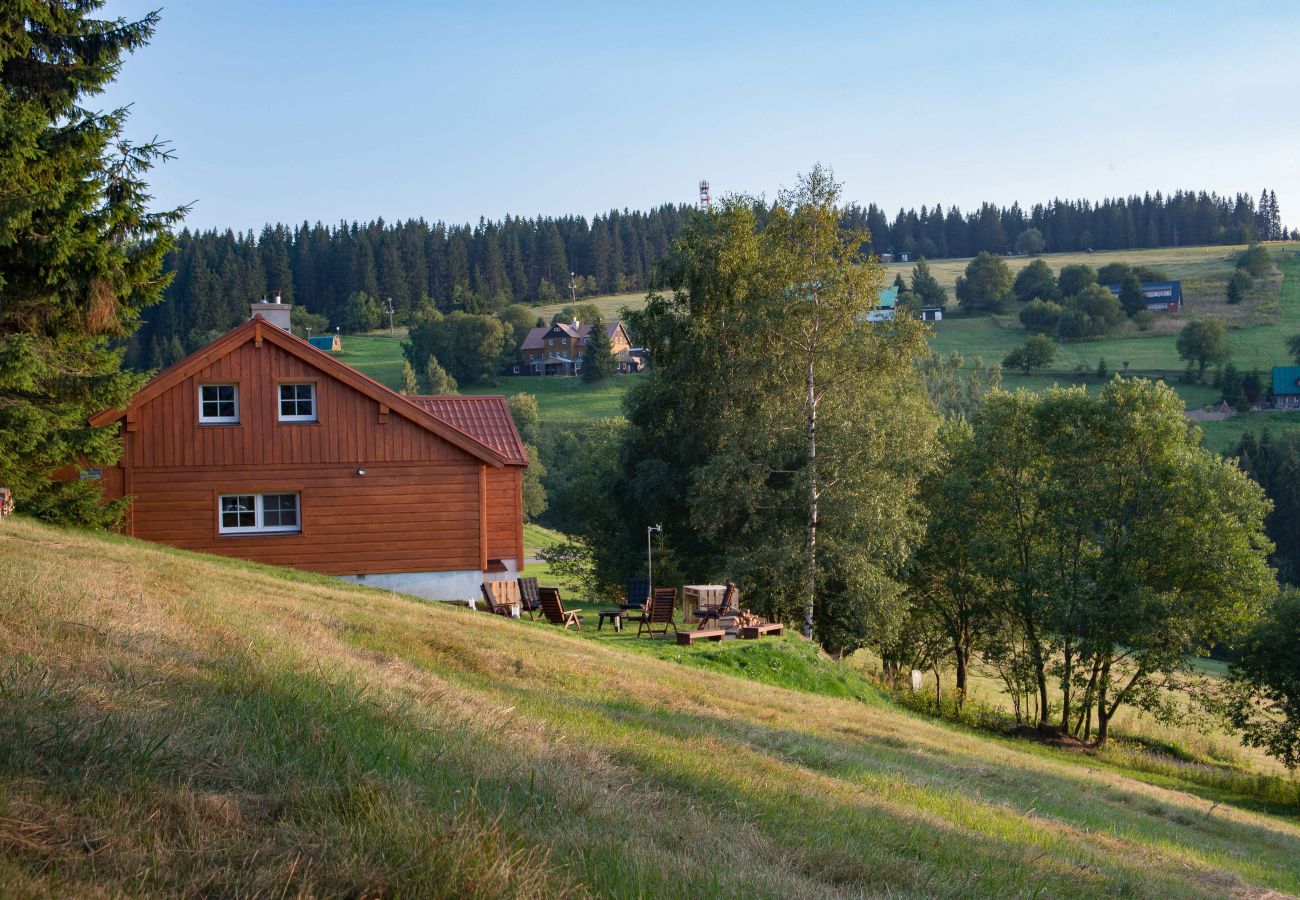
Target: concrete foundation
462, 584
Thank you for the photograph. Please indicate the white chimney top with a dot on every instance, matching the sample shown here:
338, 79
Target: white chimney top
276, 313
277, 296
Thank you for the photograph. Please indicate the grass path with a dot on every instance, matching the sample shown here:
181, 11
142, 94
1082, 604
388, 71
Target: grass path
179, 724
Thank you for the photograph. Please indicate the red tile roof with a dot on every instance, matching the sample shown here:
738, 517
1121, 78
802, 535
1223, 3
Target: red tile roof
485, 418
536, 338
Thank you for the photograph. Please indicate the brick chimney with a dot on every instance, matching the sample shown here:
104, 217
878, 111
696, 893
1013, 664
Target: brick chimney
275, 312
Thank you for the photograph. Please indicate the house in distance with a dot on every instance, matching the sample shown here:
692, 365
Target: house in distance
1160, 296
264, 447
557, 349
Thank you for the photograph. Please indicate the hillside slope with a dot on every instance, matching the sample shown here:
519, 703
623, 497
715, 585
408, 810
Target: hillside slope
171, 723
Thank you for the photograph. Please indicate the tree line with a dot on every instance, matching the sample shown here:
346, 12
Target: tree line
1183, 218
334, 271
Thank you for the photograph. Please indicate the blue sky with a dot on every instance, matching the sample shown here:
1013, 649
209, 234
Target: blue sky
292, 111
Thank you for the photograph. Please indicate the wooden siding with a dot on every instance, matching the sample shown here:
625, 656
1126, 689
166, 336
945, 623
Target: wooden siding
504, 516
418, 508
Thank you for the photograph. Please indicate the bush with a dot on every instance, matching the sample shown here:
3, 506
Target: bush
1041, 316
1144, 320
1255, 261
1092, 313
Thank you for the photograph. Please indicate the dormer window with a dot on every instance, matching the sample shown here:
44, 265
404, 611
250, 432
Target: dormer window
298, 402
219, 404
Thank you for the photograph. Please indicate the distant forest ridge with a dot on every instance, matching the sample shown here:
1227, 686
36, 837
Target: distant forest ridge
488, 266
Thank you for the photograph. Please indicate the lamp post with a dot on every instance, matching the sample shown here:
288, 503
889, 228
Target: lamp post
390, 315
649, 554
573, 288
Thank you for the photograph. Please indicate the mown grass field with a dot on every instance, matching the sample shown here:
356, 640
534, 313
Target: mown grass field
178, 724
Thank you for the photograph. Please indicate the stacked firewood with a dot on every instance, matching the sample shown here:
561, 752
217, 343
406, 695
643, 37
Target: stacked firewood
6, 502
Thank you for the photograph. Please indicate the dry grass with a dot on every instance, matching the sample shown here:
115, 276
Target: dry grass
178, 724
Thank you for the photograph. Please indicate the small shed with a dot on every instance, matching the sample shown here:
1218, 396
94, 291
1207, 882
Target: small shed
330, 343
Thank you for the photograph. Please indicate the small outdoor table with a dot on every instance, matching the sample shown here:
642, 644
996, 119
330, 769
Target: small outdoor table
615, 615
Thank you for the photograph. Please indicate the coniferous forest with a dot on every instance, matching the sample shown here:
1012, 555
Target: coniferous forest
541, 260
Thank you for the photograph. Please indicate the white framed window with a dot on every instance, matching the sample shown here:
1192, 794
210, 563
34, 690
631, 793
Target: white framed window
298, 402
219, 404
258, 514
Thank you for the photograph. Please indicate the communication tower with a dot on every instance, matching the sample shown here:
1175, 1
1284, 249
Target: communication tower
705, 201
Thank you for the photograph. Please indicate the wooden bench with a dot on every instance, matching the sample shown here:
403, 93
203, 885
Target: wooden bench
686, 638
753, 632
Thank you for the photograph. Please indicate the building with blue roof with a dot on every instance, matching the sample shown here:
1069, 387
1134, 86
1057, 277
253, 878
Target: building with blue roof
330, 343
1161, 296
1286, 386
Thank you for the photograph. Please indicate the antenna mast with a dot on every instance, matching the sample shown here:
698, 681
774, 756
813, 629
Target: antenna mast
706, 202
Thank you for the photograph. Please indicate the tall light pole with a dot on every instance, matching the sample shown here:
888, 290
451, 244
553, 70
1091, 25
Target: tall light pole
390, 315
573, 288
649, 554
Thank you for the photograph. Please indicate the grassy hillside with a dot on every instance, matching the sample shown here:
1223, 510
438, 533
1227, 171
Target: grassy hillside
172, 723
1258, 337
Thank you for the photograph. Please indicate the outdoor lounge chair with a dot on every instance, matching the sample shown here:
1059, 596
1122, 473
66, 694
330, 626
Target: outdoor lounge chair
638, 598
528, 599
500, 596
638, 594
706, 614
553, 609
663, 605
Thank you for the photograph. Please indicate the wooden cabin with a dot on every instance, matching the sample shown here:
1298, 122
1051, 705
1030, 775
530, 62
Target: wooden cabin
263, 447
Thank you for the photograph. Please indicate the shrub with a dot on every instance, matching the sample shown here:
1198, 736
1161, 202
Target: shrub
1041, 316
1144, 320
1255, 261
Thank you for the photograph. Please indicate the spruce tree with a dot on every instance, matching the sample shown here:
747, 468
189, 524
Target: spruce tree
410, 384
437, 380
598, 357
80, 251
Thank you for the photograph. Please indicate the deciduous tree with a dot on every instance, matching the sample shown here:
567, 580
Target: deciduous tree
987, 284
1035, 353
1203, 342
1036, 281
808, 428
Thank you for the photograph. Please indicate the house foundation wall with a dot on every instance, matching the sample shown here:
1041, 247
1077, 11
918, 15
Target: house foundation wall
463, 584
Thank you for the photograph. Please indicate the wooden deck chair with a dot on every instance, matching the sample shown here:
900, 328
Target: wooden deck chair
663, 605
707, 614
528, 599
553, 609
498, 596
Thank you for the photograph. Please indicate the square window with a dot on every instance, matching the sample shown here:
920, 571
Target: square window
219, 403
279, 511
239, 513
297, 403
